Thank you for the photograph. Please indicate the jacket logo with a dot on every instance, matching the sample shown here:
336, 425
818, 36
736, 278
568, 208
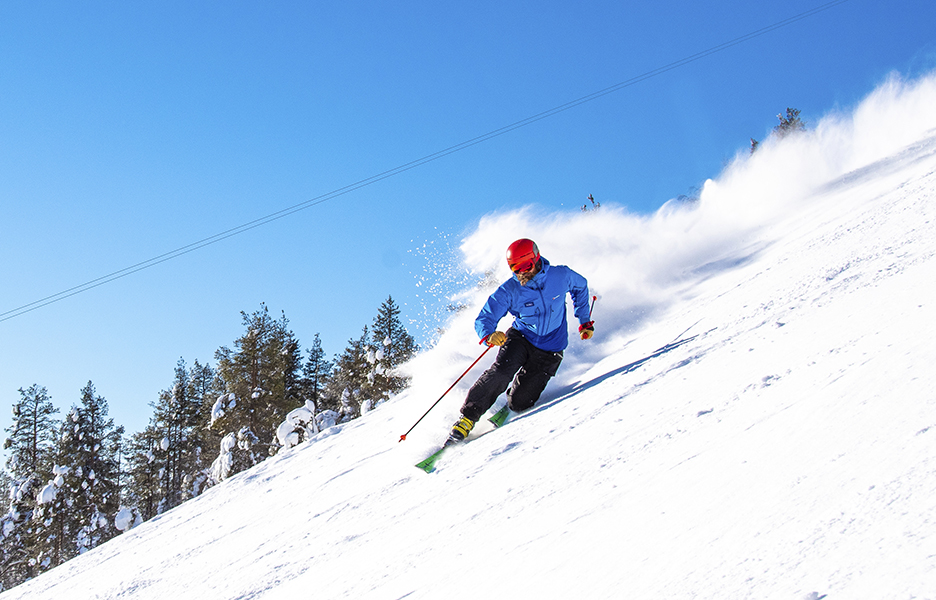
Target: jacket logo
529, 304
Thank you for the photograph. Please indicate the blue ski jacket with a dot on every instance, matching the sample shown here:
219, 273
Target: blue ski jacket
539, 307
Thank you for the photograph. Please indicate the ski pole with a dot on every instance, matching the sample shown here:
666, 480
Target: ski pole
591, 309
403, 437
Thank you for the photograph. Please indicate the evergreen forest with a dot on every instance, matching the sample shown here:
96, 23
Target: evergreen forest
76, 480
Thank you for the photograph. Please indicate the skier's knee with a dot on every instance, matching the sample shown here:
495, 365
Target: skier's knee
519, 402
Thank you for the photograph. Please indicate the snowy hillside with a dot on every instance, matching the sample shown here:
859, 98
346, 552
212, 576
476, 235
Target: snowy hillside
756, 417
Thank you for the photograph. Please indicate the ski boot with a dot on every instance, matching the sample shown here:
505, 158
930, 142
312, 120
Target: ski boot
460, 430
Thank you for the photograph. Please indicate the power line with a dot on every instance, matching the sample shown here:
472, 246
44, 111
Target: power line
156, 260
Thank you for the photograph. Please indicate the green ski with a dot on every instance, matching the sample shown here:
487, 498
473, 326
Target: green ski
500, 416
428, 465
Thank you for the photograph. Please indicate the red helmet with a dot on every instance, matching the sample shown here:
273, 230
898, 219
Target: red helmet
522, 255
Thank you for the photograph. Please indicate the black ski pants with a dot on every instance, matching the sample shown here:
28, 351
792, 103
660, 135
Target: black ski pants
520, 365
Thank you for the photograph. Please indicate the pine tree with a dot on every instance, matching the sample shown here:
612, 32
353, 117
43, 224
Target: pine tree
315, 373
31, 447
348, 383
790, 123
168, 462
144, 490
392, 346
287, 381
17, 533
176, 418
89, 450
32, 434
203, 389
261, 384
58, 509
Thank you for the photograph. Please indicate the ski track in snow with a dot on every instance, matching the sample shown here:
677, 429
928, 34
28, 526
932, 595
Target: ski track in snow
766, 429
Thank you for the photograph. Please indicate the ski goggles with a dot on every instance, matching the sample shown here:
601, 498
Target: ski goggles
524, 266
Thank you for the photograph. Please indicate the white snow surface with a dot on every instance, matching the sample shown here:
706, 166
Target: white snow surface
755, 417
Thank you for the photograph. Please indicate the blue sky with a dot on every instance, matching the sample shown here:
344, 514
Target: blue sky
128, 130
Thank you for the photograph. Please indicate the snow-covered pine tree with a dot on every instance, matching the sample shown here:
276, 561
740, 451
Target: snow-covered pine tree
349, 379
287, 385
31, 437
18, 533
260, 380
303, 421
348, 411
299, 425
203, 389
57, 518
31, 445
315, 373
89, 451
176, 417
143, 489
789, 123
393, 346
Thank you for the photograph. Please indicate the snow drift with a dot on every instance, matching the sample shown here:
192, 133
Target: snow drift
754, 418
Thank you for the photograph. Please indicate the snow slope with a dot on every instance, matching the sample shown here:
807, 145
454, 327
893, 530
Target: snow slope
756, 417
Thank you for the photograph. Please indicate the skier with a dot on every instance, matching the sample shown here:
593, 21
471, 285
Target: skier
531, 349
